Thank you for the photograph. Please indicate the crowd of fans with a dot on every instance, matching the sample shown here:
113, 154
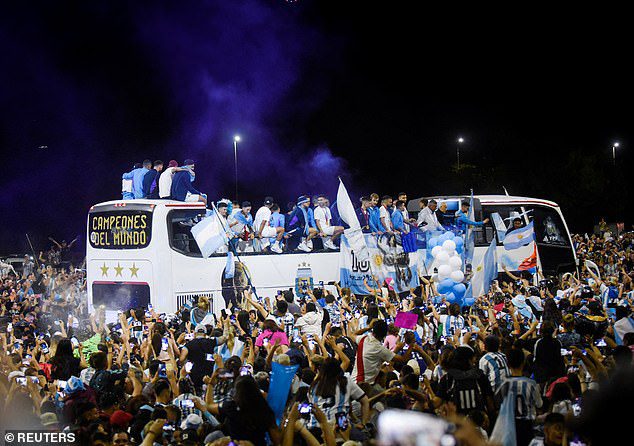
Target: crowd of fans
560, 350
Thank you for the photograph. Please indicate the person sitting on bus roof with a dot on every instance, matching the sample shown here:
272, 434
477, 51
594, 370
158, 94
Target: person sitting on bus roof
277, 221
126, 183
150, 180
137, 176
264, 230
182, 189
323, 221
299, 221
462, 221
165, 180
241, 221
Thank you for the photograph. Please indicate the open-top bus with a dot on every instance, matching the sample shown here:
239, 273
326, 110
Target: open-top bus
142, 251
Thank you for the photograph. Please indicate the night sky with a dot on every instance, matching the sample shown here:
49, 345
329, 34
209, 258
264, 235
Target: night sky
373, 91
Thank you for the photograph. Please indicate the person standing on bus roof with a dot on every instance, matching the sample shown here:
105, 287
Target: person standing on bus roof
150, 180
165, 180
462, 221
427, 219
137, 178
264, 230
126, 182
182, 189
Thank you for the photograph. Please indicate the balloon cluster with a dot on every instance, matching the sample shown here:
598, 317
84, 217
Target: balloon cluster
446, 249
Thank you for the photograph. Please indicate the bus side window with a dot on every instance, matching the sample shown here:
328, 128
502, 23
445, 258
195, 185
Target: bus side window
180, 223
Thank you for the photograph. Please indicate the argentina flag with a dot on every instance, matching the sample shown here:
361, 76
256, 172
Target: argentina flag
209, 235
519, 237
484, 273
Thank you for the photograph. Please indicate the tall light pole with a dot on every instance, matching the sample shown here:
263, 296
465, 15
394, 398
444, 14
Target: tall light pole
460, 141
236, 140
614, 146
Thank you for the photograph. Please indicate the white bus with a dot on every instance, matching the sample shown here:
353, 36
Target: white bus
555, 252
142, 251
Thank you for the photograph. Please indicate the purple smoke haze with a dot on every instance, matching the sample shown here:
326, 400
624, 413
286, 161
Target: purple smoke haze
112, 84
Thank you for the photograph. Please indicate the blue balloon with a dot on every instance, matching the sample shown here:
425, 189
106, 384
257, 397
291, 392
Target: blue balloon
459, 289
433, 241
459, 249
448, 235
458, 241
452, 298
469, 301
445, 286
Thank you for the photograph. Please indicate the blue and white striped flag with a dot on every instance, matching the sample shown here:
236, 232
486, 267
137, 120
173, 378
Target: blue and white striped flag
500, 226
484, 273
519, 237
209, 235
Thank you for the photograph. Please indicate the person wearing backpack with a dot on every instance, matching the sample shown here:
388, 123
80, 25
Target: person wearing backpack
465, 384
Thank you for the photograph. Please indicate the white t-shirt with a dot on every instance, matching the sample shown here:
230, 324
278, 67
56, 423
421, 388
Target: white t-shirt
165, 183
263, 214
323, 216
386, 220
374, 355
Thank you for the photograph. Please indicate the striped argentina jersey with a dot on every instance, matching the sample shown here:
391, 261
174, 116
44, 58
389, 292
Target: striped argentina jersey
451, 324
495, 367
526, 394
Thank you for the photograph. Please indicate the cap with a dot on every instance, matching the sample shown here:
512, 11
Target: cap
120, 418
193, 421
189, 435
73, 385
172, 163
189, 162
246, 204
200, 328
48, 418
303, 199
268, 200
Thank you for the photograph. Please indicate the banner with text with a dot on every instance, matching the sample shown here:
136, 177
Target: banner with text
387, 259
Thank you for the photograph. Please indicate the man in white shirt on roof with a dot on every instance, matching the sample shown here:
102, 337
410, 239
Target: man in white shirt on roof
323, 219
427, 220
264, 230
165, 180
384, 213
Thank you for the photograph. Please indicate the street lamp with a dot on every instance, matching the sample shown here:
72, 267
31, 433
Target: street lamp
614, 146
236, 140
460, 141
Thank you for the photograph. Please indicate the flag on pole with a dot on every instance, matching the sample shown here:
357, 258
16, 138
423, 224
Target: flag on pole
519, 237
353, 234
209, 235
484, 273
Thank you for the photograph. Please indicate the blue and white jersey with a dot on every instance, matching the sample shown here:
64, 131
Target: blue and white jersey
451, 324
495, 367
526, 394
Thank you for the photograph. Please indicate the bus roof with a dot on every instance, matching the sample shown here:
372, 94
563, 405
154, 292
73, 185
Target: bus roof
497, 199
116, 204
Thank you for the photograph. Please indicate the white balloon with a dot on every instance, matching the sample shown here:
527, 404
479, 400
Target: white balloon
442, 257
444, 271
435, 251
456, 276
455, 262
449, 246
